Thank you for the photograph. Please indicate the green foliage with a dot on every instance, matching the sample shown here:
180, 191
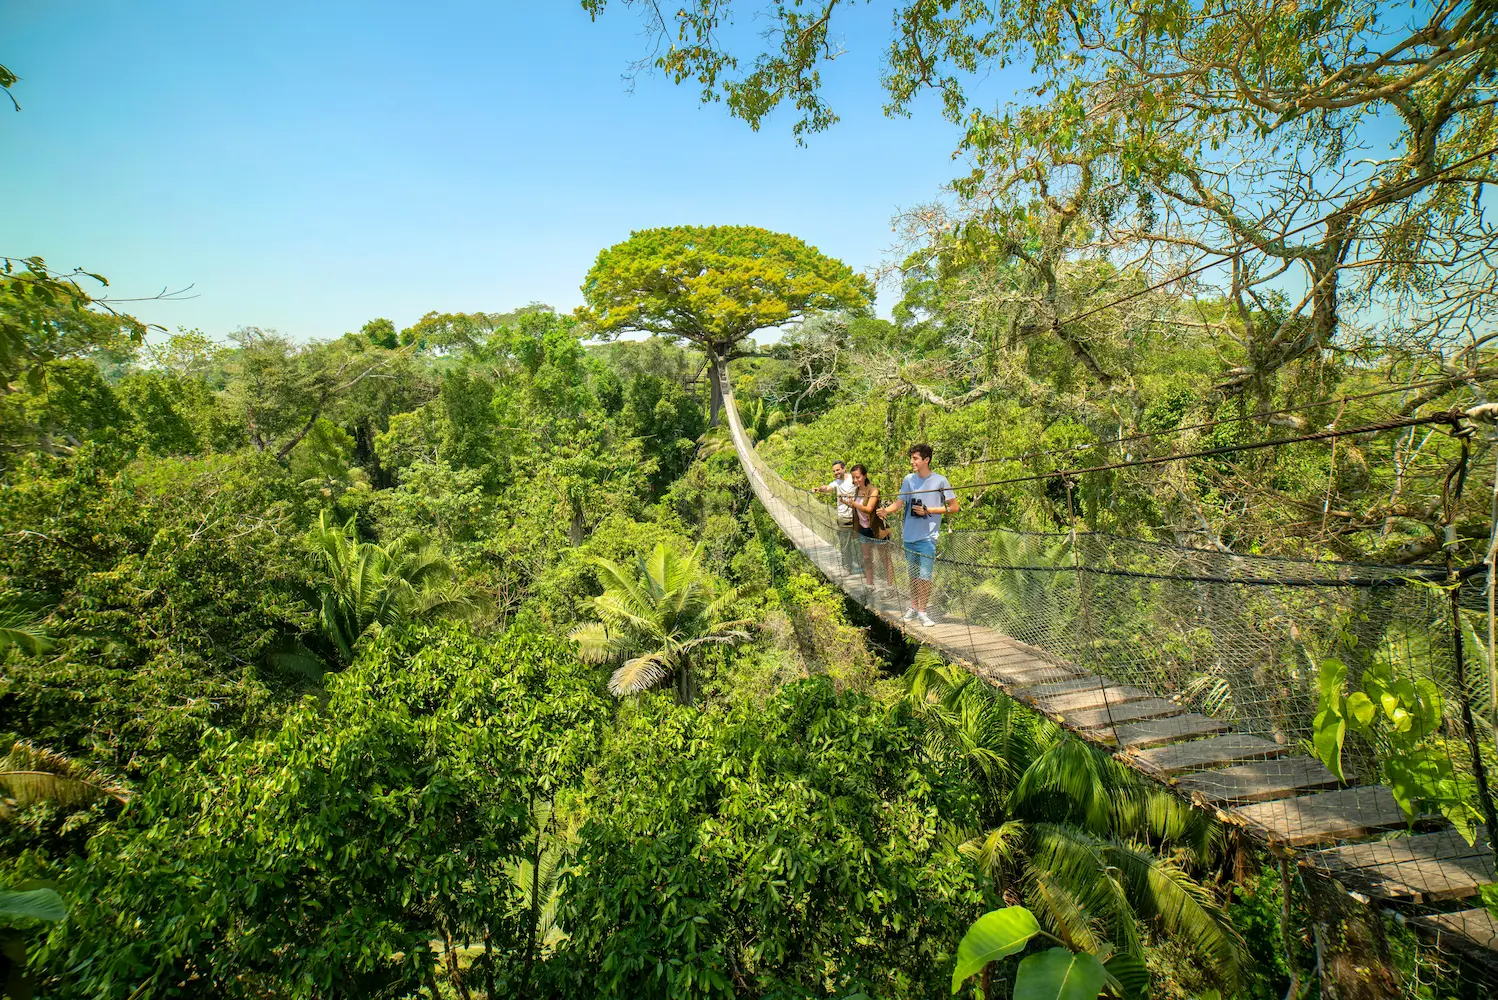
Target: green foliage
1060, 974
657, 620
796, 846
714, 285
370, 586
32, 904
22, 627
423, 766
23, 905
30, 774
1066, 826
1399, 714
166, 583
46, 317
993, 936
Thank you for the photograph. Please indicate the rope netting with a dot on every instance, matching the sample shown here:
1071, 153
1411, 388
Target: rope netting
1216, 671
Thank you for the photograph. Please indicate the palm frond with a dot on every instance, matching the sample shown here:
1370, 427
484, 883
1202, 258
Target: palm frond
677, 573
998, 849
296, 658
31, 774
928, 677
622, 614
615, 579
447, 601
639, 674
722, 637
1070, 860
1184, 908
23, 628
1061, 910
1069, 774
595, 643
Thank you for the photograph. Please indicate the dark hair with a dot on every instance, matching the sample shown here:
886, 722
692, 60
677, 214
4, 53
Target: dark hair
841, 462
922, 449
859, 468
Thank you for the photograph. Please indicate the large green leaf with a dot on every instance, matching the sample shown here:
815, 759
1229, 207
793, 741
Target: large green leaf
1328, 730
1330, 680
37, 904
1060, 974
993, 936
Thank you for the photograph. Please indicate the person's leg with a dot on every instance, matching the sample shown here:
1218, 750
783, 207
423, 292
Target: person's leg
868, 560
847, 537
912, 575
884, 559
926, 565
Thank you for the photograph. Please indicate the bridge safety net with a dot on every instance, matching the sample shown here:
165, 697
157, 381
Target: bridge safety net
1339, 712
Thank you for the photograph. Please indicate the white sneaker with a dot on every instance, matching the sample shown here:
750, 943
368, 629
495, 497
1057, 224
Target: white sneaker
924, 619
910, 614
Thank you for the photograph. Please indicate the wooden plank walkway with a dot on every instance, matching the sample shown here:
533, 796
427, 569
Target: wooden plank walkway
1289, 802
1472, 931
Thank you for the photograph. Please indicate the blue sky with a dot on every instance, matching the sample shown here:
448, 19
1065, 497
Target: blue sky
310, 166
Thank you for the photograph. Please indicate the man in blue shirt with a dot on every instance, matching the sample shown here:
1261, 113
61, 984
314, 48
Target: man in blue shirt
926, 496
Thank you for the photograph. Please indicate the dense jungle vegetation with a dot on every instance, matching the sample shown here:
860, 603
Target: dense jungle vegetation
303, 703
458, 660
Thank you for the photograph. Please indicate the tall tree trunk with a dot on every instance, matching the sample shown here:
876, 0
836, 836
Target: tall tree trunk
715, 400
1354, 953
576, 530
489, 962
533, 920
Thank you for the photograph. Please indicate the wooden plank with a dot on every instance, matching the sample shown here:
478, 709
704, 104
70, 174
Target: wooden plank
1030, 672
992, 644
1094, 698
1257, 782
1443, 844
1021, 677
1093, 681
1159, 732
1474, 929
1422, 881
1323, 817
1215, 752
1147, 708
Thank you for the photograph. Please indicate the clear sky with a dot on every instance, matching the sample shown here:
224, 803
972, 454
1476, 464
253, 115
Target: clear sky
309, 166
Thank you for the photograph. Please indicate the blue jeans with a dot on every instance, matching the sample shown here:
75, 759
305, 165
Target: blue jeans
920, 558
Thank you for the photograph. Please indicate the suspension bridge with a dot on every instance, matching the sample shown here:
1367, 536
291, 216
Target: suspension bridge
1192, 667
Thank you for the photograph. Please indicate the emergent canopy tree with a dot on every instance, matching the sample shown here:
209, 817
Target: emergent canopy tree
1328, 156
715, 286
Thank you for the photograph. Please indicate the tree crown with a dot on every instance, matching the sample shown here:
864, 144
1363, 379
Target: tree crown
715, 285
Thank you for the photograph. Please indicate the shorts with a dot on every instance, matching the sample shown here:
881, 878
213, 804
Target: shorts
920, 557
867, 534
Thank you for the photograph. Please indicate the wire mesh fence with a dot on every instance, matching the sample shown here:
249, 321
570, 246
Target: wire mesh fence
1340, 712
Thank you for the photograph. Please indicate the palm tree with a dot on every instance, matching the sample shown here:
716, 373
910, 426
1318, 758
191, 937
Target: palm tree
656, 621
1091, 847
370, 585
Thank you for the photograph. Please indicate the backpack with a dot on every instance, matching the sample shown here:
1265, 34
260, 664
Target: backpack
877, 524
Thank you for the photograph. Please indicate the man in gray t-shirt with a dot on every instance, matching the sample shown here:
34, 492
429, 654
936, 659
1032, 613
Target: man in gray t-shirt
926, 496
